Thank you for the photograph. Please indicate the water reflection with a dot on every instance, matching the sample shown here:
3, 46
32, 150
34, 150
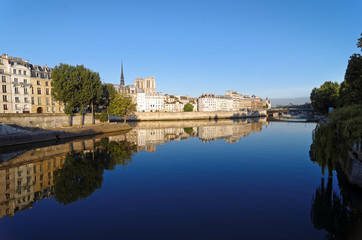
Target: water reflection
337, 211
74, 170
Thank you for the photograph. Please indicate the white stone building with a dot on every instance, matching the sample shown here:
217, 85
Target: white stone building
5, 89
150, 102
212, 103
20, 85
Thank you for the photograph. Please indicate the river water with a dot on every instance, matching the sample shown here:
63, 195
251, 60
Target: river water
249, 179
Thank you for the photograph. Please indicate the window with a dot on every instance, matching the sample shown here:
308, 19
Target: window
39, 90
39, 100
3, 78
38, 83
47, 101
32, 100
47, 109
17, 99
14, 71
53, 103
46, 83
25, 91
60, 109
5, 107
53, 110
47, 91
24, 72
4, 88
25, 81
16, 80
26, 100
16, 90
5, 98
19, 71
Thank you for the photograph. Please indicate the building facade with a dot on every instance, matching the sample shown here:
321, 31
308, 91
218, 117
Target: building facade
5, 90
41, 98
20, 85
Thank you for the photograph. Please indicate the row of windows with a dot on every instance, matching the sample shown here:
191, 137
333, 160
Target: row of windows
19, 72
16, 90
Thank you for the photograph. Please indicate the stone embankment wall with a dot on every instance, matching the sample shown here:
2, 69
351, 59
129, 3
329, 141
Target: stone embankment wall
168, 116
44, 120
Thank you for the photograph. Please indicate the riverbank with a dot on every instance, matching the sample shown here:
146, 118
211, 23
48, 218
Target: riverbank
24, 135
180, 116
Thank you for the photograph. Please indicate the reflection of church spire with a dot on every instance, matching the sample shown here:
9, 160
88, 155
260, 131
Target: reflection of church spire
122, 77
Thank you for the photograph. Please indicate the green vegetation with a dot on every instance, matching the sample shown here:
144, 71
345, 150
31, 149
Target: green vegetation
122, 106
103, 117
109, 93
77, 87
348, 93
331, 146
189, 130
324, 97
188, 107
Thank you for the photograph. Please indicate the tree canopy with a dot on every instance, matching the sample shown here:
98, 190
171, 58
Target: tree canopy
122, 106
188, 107
325, 96
109, 93
76, 86
351, 87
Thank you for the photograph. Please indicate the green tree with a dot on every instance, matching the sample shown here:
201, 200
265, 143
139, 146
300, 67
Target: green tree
66, 87
109, 93
324, 97
76, 87
359, 43
351, 87
122, 106
91, 88
188, 107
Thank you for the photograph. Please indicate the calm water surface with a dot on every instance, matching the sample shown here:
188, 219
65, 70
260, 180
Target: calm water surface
251, 179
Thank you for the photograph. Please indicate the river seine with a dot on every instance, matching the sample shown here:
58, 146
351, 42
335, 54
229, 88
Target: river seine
249, 179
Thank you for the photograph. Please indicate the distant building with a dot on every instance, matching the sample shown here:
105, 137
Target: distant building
212, 103
150, 102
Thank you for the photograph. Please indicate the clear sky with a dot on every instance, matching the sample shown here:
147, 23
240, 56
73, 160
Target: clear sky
267, 48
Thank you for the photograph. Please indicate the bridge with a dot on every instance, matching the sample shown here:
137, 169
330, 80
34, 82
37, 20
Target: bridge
294, 113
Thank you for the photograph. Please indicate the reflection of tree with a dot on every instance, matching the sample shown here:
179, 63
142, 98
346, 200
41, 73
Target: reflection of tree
330, 213
82, 173
324, 149
79, 177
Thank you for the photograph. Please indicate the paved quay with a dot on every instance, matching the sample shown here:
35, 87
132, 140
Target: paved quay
15, 135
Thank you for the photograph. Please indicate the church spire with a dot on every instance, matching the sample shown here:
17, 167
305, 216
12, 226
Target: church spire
122, 77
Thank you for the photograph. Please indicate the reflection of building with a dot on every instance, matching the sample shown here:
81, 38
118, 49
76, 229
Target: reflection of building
28, 176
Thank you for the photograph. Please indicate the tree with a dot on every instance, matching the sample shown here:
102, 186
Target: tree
77, 87
351, 87
122, 106
109, 93
91, 88
359, 43
324, 97
65, 87
188, 107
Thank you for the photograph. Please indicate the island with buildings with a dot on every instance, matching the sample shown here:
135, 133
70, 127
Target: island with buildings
26, 88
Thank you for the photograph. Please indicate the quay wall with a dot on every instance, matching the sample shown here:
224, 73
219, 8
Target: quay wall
62, 120
44, 120
169, 116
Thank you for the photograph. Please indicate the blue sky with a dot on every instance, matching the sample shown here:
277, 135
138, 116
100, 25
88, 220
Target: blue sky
267, 48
